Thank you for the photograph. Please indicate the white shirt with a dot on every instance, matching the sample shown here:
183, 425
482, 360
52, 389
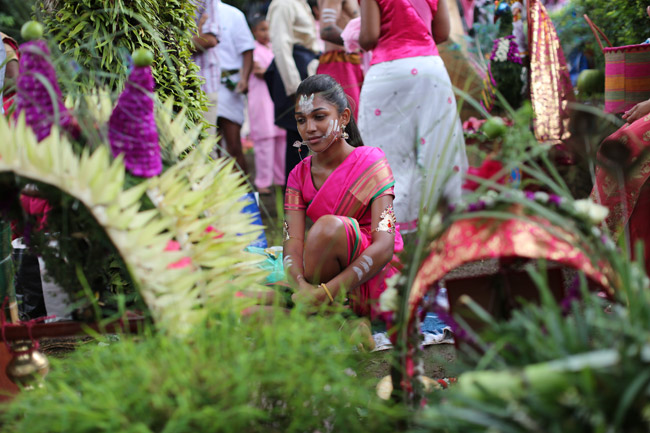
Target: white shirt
236, 37
290, 23
208, 60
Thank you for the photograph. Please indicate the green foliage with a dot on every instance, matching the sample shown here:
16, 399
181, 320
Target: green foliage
293, 373
624, 23
13, 13
98, 36
549, 371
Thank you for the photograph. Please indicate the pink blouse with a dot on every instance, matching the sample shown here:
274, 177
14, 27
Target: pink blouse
402, 32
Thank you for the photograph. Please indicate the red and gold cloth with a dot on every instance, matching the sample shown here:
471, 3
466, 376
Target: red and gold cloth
623, 187
474, 239
551, 90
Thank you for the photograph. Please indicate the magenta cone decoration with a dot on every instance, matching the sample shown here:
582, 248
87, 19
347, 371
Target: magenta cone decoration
132, 127
32, 95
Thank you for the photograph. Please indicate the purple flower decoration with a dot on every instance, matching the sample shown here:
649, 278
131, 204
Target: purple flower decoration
37, 91
132, 126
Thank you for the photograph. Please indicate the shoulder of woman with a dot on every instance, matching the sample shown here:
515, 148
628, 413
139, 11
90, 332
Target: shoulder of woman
372, 151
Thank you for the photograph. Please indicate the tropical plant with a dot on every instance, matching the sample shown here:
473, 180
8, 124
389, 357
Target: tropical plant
96, 38
195, 203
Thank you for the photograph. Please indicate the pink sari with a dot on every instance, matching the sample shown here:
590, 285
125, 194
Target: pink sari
348, 194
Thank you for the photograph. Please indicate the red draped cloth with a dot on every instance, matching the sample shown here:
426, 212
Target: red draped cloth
622, 182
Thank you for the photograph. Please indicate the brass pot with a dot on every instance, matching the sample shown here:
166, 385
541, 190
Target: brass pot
28, 366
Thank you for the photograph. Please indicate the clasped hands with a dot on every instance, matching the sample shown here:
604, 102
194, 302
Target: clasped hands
308, 294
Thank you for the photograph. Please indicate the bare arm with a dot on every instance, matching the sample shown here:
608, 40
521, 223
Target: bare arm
247, 67
11, 73
370, 24
294, 235
441, 25
258, 70
203, 41
330, 11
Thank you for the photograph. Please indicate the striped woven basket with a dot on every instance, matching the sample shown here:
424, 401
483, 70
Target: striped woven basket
627, 73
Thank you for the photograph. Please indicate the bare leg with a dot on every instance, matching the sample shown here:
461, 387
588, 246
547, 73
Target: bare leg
326, 250
230, 131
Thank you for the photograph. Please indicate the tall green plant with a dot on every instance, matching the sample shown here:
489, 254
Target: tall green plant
294, 373
98, 36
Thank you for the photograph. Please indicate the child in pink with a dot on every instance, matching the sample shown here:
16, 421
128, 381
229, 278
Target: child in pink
268, 139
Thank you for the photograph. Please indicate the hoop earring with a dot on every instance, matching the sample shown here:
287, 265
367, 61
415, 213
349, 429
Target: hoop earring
344, 135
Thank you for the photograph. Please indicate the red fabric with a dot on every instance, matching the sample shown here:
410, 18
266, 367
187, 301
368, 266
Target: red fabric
37, 207
487, 170
348, 74
640, 224
625, 153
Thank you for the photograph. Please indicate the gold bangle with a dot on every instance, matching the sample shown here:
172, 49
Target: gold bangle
329, 295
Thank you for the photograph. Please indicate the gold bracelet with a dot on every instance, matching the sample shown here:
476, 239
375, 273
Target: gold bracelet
329, 295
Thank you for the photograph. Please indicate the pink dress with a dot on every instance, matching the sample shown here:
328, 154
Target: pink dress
260, 105
269, 141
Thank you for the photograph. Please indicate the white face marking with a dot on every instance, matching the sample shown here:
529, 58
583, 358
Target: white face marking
287, 261
306, 104
358, 271
367, 259
365, 267
332, 128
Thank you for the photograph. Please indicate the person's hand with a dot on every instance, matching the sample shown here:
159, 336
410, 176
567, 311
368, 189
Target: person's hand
242, 86
637, 112
307, 294
258, 70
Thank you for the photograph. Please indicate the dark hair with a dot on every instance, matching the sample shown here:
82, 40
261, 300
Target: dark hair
255, 20
327, 88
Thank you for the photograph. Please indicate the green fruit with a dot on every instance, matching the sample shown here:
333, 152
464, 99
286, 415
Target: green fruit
31, 30
591, 81
142, 57
494, 127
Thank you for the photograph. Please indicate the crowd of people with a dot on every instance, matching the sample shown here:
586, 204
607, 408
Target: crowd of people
395, 82
310, 72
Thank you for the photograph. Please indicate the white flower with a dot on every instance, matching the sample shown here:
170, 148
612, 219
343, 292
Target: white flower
596, 232
541, 197
388, 300
488, 200
433, 224
594, 212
